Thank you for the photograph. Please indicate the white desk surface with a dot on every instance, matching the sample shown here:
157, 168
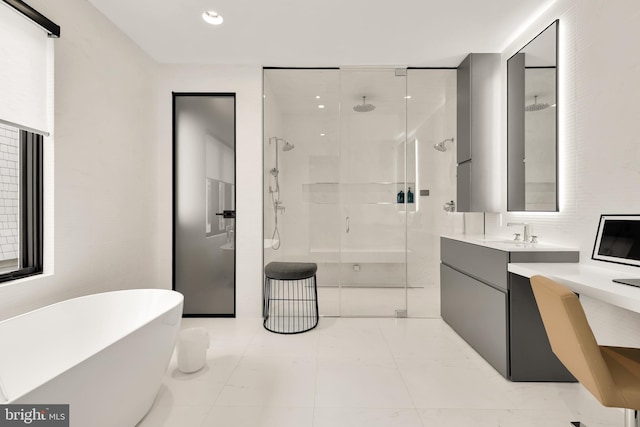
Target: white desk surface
594, 282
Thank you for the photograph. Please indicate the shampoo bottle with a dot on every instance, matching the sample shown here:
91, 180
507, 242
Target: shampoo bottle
400, 197
409, 196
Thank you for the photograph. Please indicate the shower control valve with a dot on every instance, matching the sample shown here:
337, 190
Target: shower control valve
516, 237
450, 206
278, 205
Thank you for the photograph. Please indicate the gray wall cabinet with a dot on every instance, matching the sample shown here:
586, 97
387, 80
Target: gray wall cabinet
478, 100
495, 311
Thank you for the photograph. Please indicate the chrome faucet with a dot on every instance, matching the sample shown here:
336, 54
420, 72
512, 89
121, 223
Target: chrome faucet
526, 238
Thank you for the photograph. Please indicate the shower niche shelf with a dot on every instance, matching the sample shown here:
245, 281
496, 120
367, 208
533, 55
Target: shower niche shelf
361, 193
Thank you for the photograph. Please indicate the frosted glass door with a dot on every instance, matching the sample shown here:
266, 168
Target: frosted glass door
204, 203
374, 195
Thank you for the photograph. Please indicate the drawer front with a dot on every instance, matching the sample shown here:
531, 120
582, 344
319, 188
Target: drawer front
486, 264
478, 313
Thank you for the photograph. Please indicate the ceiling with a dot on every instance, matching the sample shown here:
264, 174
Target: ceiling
314, 33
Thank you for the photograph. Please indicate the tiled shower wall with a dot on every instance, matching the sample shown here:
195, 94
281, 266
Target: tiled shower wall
9, 192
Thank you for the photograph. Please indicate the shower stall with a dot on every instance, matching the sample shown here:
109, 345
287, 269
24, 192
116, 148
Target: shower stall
362, 193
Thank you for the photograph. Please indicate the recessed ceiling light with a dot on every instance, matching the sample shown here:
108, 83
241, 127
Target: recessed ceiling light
407, 97
212, 17
321, 106
317, 96
322, 134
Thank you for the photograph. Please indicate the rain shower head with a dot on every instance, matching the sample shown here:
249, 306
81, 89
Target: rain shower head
288, 146
364, 107
440, 145
535, 106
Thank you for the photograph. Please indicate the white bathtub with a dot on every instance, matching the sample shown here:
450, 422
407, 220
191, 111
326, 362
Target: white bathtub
105, 355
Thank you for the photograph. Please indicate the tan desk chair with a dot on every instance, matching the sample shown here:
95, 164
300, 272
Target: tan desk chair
611, 374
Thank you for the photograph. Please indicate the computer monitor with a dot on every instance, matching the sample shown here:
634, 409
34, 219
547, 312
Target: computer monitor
618, 241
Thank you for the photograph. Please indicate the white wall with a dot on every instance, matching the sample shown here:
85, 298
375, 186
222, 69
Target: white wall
113, 185
598, 149
113, 152
105, 164
598, 155
246, 82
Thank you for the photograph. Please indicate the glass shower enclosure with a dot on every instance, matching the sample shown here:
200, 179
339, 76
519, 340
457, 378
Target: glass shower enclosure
352, 183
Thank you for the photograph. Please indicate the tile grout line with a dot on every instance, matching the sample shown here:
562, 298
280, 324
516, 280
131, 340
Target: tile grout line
315, 386
395, 363
226, 381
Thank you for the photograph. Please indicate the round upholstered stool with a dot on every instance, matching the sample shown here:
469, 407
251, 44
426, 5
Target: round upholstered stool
290, 297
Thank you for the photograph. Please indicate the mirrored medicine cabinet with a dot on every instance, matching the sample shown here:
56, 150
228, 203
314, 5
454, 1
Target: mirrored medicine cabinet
532, 125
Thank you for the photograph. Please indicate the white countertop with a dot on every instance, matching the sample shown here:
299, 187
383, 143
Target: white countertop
592, 281
506, 244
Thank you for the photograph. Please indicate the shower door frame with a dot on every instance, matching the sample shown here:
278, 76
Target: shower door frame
418, 275
338, 311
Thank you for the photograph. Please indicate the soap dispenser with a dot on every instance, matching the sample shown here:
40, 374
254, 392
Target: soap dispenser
400, 197
409, 196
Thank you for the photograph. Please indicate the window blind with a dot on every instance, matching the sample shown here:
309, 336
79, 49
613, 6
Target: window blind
23, 71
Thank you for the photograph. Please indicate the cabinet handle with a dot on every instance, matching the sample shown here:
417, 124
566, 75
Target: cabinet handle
347, 224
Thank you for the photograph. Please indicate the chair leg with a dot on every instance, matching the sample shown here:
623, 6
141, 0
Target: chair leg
631, 418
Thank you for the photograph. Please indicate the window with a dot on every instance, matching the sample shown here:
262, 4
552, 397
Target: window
21, 213
26, 71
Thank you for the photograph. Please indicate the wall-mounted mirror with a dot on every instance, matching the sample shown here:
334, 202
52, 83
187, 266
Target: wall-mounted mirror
532, 160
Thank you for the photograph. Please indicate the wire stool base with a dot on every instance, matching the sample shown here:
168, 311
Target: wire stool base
290, 306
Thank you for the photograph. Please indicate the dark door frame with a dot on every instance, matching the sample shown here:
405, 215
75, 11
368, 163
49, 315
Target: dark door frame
174, 95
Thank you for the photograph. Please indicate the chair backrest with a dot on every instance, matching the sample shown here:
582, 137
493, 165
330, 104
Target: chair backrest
572, 339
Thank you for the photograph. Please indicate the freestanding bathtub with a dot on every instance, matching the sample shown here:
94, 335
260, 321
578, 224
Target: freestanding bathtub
105, 355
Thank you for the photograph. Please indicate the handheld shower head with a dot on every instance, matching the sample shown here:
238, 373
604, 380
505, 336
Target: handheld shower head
364, 107
440, 145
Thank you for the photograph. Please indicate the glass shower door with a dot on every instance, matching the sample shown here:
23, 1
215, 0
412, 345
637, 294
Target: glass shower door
373, 193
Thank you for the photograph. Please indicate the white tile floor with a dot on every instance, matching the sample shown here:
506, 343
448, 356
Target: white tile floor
358, 372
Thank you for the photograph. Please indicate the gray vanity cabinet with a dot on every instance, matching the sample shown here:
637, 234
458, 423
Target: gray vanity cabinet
474, 299
478, 93
495, 311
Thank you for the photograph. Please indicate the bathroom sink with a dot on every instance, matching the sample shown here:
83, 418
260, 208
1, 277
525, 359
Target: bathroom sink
503, 241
